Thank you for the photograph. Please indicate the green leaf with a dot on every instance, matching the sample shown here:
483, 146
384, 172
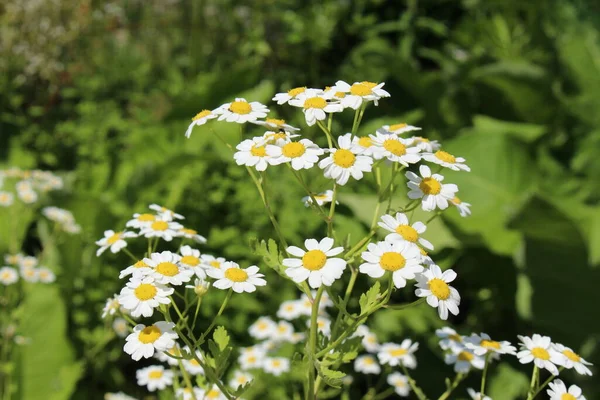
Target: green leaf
370, 298
507, 383
331, 377
269, 252
519, 130
221, 337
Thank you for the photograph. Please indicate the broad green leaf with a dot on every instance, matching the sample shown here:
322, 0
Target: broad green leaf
507, 383
370, 298
221, 337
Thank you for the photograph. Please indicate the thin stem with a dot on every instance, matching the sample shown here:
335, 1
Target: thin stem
405, 306
214, 321
413, 384
349, 288
457, 380
298, 176
313, 342
186, 379
359, 245
532, 388
484, 375
330, 140
546, 382
130, 254
437, 214
331, 212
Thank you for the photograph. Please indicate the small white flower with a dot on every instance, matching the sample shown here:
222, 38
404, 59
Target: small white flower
192, 365
433, 284
8, 276
344, 162
121, 327
315, 264
398, 129
426, 145
190, 258
167, 268
321, 198
164, 213
364, 145
360, 92
241, 111
200, 287
450, 339
398, 354
138, 270
370, 343
111, 306
118, 396
558, 391
230, 275
395, 149
142, 296
141, 220
476, 395
464, 209
210, 262
212, 394
400, 384
45, 275
289, 310
186, 393
113, 240
315, 106
282, 98
430, 189
200, 119
154, 377
253, 153
283, 332
276, 365
572, 360
401, 230
323, 325
447, 160
13, 259
302, 154
239, 379
277, 124
402, 259
145, 340
482, 344
251, 357
166, 230
191, 234
28, 262
6, 199
367, 364
464, 360
27, 196
29, 274
174, 351
263, 328
539, 349
278, 138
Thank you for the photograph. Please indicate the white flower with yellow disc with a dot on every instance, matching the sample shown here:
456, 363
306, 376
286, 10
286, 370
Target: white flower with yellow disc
449, 338
429, 188
464, 209
317, 264
142, 296
141, 220
395, 149
398, 354
155, 377
367, 364
558, 391
6, 199
278, 124
400, 384
321, 198
360, 92
572, 359
343, 162
447, 160
253, 153
113, 240
463, 360
190, 258
426, 145
167, 268
433, 284
402, 231
400, 258
164, 213
239, 379
191, 234
241, 111
46, 275
302, 154
8, 276
230, 275
398, 129
315, 105
199, 119
364, 145
145, 340
282, 98
139, 269
483, 344
276, 365
165, 230
540, 350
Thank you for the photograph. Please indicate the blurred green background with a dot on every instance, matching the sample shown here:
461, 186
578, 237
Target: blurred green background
102, 92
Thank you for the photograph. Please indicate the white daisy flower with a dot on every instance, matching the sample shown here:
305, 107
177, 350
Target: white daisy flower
167, 268
370, 343
230, 275
113, 240
154, 377
111, 306
539, 349
118, 396
464, 360
400, 384
166, 230
192, 365
315, 264
398, 354
344, 163
175, 351
142, 296
200, 287
164, 213
145, 340
289, 310
401, 230
558, 391
28, 262
121, 327
200, 119
141, 220
241, 111
138, 270
572, 360
191, 234
282, 98
367, 364
13, 259
315, 106
483, 344
276, 365
278, 138
323, 325
214, 393
401, 259
302, 154
464, 209
476, 395
360, 92
29, 274
210, 262
27, 196
239, 379
449, 339
398, 129
283, 332
186, 393
321, 198
430, 189
426, 145
251, 357
278, 124
364, 145
447, 160
253, 153
190, 258
45, 275
433, 284
8, 276
6, 199
395, 149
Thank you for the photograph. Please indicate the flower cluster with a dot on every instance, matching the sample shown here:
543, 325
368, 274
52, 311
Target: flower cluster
26, 185
25, 268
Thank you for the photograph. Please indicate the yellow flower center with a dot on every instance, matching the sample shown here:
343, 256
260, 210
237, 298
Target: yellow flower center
149, 334
146, 217
430, 186
315, 102
456, 200
541, 353
276, 136
340, 95
567, 396
296, 91
398, 352
282, 328
369, 361
242, 379
368, 84
490, 344
365, 141
189, 231
396, 127
446, 157
194, 362
3, 197
394, 147
273, 121
167, 269
201, 114
114, 238
360, 89
391, 261
455, 337
190, 260
465, 356
258, 151
155, 374
293, 150
408, 233
240, 107
215, 264
251, 359
145, 291
160, 226
289, 307
344, 158
236, 275
276, 363
439, 288
314, 260
140, 264
571, 356
6, 275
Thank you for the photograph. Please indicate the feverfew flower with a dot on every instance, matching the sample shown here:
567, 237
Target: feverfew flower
213, 394
429, 189
166, 230
398, 354
200, 287
426, 145
210, 262
239, 379
483, 344
283, 332
190, 258
447, 160
315, 105
395, 149
464, 360
433, 284
323, 325
315, 264
142, 296
344, 162
13, 259
141, 220
539, 349
29, 274
192, 365
27, 262
558, 391
191, 234
370, 343
360, 92
252, 153
400, 384
45, 275
401, 230
199, 119
167, 268
121, 327
138, 270
367, 364
118, 396
321, 198
364, 145
113, 240
6, 199
8, 276
464, 209
186, 393
476, 395
164, 213
111, 306
276, 365
146, 339
154, 377
230, 275
302, 154
241, 111
289, 310
398, 129
401, 259
173, 351
449, 338
282, 98
573, 360
251, 358
278, 124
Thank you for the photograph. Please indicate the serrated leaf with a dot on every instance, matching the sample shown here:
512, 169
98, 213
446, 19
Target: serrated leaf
221, 337
369, 299
331, 377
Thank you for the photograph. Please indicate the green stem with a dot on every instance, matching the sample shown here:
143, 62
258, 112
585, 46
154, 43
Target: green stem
484, 375
186, 379
342, 310
130, 254
330, 140
405, 306
532, 386
413, 384
457, 380
214, 321
331, 212
546, 382
437, 214
359, 245
313, 342
298, 177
